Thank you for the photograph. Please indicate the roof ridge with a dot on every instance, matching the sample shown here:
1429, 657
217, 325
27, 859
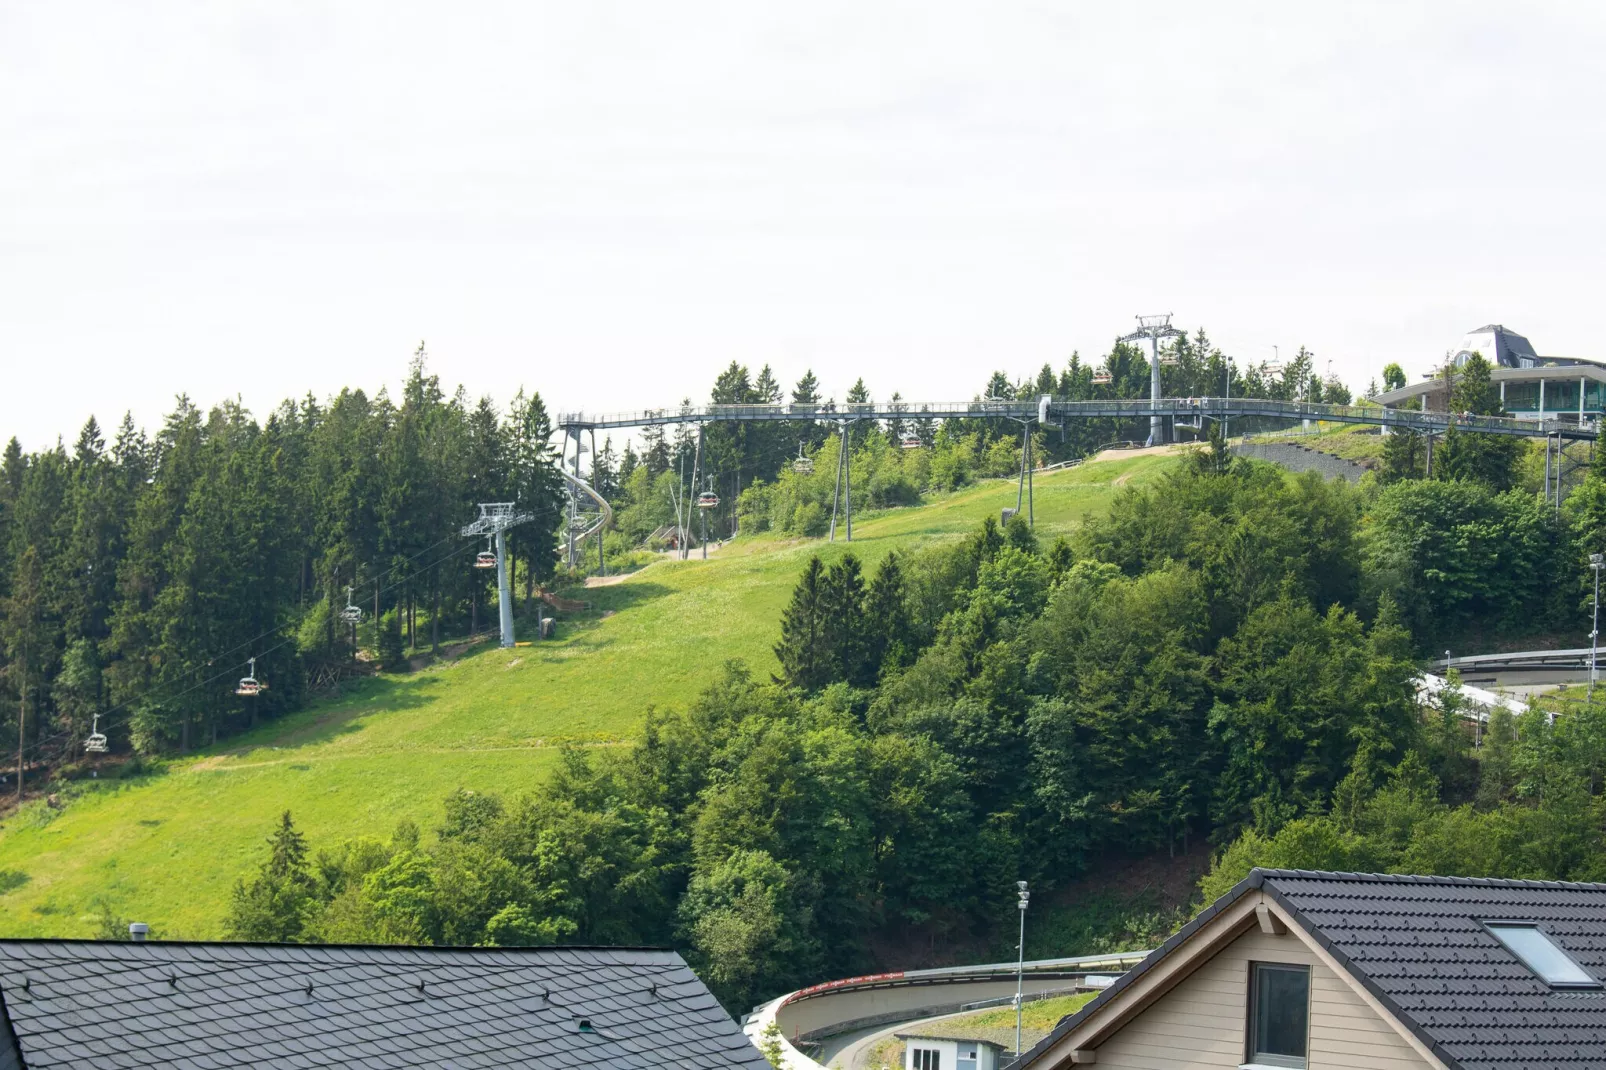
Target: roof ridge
1409, 878
35, 941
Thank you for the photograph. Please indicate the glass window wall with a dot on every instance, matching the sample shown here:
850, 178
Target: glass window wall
1522, 397
1561, 395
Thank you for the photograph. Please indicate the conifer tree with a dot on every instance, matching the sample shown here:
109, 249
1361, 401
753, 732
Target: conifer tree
807, 392
273, 907
889, 631
1403, 453
1485, 458
842, 609
804, 650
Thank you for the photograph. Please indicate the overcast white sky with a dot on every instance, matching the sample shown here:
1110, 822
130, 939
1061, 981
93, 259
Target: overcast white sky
608, 202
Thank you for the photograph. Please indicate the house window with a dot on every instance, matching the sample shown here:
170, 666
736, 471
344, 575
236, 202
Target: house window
925, 1059
965, 1057
1537, 951
1279, 1014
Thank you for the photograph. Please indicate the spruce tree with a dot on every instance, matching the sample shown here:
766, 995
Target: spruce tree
807, 392
804, 651
273, 907
1403, 453
842, 611
889, 631
1485, 458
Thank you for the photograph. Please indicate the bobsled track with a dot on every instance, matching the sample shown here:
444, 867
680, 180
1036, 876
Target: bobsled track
819, 1012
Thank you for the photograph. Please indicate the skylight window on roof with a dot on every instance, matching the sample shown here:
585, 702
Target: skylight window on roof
1537, 951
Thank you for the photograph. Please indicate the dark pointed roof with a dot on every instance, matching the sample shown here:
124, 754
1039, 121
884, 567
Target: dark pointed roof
1420, 946
85, 1004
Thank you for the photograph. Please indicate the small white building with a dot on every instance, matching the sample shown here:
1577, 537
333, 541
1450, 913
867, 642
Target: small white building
948, 1053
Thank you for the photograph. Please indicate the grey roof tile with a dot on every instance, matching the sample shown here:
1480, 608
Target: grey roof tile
78, 1004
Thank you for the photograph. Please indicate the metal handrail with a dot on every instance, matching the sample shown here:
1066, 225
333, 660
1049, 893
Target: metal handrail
1119, 408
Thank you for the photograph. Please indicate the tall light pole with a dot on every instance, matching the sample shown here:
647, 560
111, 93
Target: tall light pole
1596, 562
1020, 962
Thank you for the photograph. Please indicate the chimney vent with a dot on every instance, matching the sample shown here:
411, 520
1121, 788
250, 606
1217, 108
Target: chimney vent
138, 931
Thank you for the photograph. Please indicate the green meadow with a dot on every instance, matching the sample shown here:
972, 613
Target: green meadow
166, 846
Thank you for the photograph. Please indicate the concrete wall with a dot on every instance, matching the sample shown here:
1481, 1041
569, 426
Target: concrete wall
1297, 458
854, 1007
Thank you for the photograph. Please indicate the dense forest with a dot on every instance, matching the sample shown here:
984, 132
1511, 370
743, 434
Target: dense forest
139, 576
1228, 656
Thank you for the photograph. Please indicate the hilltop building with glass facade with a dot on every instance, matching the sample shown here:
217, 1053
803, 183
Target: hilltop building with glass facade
1532, 387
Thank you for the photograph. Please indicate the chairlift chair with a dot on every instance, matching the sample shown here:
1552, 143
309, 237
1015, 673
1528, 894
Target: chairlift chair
1170, 360
352, 613
249, 685
96, 743
1101, 378
486, 558
804, 465
707, 500
910, 442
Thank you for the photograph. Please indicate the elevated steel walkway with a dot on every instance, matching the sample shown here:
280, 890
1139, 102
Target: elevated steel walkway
1049, 410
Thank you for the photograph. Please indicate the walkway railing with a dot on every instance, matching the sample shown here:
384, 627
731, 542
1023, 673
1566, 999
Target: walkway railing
1048, 410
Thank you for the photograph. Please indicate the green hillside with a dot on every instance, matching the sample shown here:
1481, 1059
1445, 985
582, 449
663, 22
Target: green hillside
166, 847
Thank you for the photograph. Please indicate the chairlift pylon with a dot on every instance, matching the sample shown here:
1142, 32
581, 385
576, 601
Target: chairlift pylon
249, 685
96, 743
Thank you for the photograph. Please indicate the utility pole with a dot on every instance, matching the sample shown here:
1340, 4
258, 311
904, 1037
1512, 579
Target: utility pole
1154, 328
1020, 962
1596, 562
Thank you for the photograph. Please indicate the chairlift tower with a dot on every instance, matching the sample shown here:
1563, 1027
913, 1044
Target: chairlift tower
1154, 328
494, 520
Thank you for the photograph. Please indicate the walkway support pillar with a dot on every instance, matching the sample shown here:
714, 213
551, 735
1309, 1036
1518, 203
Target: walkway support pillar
836, 491
504, 590
847, 481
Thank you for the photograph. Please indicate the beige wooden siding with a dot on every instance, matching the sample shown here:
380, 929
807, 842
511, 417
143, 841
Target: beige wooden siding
1201, 1022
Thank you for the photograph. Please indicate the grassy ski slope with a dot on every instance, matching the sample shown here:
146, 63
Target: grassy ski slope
167, 847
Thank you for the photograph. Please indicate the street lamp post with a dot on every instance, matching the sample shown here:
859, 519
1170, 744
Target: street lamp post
1020, 963
1596, 562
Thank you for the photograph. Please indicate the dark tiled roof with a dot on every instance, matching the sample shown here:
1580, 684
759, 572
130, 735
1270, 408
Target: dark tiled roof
84, 1004
1418, 944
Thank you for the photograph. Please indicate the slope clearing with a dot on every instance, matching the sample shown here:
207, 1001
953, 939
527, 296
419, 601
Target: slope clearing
166, 847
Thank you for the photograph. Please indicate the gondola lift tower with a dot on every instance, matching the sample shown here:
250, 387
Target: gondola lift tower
1155, 329
494, 520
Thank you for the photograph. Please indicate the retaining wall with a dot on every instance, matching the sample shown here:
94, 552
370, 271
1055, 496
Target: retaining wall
1298, 458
